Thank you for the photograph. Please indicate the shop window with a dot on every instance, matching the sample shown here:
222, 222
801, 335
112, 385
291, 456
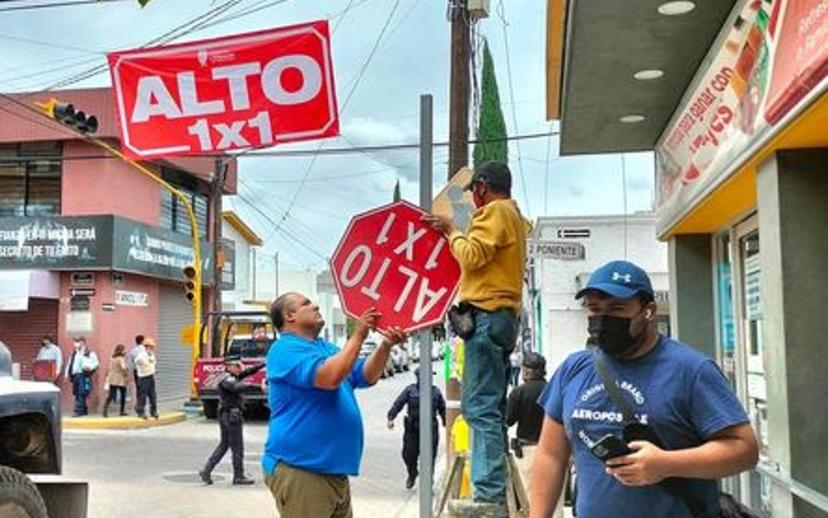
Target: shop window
30, 179
174, 212
725, 321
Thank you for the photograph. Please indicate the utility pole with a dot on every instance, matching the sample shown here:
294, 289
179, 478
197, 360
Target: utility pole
460, 86
216, 190
459, 95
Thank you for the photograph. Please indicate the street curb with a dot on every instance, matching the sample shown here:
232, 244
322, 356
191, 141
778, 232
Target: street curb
121, 423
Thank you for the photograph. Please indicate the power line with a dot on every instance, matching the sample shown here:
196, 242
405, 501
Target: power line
356, 82
66, 3
502, 14
276, 228
283, 154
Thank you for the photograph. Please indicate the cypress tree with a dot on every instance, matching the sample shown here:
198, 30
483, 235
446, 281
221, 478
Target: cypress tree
491, 124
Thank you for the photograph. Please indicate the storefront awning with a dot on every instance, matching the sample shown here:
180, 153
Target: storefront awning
596, 48
16, 287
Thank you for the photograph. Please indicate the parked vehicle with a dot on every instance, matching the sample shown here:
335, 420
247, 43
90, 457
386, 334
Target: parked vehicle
248, 334
400, 358
30, 447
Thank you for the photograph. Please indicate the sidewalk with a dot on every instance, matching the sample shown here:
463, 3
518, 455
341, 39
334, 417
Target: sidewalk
97, 422
169, 412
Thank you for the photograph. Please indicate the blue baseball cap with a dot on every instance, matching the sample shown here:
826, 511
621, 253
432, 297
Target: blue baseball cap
619, 279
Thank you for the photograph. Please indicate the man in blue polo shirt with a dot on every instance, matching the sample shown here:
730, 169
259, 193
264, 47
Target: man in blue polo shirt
315, 435
678, 393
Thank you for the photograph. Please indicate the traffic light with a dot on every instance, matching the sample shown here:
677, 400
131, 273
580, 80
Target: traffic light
190, 282
65, 114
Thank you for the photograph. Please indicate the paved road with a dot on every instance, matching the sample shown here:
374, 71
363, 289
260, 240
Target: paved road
152, 472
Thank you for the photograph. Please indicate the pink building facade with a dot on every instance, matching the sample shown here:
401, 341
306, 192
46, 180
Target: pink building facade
111, 242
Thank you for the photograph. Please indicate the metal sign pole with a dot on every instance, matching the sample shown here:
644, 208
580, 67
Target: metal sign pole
426, 460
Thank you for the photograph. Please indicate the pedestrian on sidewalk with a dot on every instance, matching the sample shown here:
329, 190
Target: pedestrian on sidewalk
145, 369
79, 370
410, 397
49, 352
231, 418
524, 410
116, 380
492, 258
651, 422
315, 436
137, 350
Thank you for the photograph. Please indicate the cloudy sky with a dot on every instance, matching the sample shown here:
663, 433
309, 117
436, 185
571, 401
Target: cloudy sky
378, 97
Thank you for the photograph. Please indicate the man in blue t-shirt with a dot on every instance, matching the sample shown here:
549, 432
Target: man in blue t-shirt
679, 393
315, 435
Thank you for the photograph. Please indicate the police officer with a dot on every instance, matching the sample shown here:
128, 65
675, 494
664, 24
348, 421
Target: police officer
523, 409
230, 389
411, 437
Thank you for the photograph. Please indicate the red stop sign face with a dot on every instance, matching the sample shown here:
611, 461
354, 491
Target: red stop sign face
391, 260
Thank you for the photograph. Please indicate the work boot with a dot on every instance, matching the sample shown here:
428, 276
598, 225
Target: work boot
205, 477
243, 481
410, 482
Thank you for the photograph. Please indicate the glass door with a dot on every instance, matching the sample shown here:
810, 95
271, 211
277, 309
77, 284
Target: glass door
749, 351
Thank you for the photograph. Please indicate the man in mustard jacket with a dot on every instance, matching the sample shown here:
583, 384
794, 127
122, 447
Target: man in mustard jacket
492, 257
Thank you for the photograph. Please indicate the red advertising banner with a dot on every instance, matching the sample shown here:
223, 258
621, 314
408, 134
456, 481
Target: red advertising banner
773, 54
245, 91
391, 260
801, 59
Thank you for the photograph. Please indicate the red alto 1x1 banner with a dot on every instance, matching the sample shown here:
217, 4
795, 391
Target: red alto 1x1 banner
245, 91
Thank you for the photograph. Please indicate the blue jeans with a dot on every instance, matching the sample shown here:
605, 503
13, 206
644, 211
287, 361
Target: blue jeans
485, 376
81, 387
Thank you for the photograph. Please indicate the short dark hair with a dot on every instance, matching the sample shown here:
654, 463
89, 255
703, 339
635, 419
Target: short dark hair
278, 307
139, 339
645, 298
48, 338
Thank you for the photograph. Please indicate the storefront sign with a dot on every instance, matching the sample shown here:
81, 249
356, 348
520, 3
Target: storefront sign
156, 252
801, 59
772, 55
243, 91
131, 298
79, 322
556, 250
55, 242
97, 243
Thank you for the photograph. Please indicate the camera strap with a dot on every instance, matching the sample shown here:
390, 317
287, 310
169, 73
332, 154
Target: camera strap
612, 388
676, 487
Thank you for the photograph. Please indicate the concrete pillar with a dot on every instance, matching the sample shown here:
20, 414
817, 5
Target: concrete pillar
793, 232
692, 308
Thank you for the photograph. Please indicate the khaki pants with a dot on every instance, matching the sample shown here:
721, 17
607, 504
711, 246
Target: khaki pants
524, 465
300, 494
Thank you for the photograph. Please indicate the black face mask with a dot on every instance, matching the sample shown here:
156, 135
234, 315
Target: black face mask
611, 334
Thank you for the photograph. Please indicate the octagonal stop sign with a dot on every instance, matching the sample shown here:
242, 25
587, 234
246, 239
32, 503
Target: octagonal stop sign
391, 260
